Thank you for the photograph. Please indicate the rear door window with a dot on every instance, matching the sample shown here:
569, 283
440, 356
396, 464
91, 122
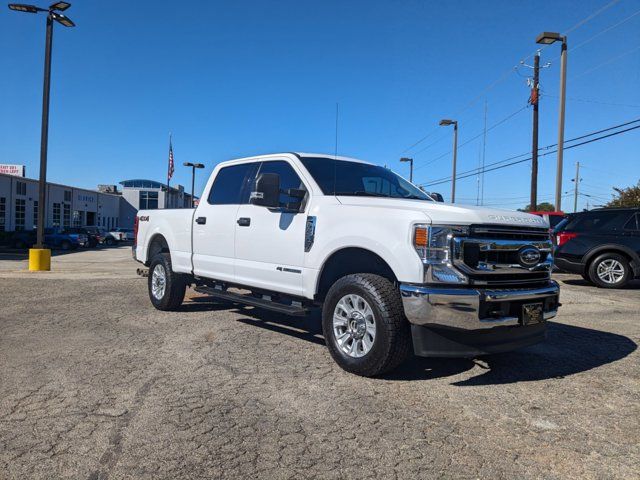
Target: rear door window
229, 187
594, 222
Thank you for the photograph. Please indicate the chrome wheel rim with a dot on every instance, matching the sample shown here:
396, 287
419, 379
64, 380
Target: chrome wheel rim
610, 271
354, 326
158, 282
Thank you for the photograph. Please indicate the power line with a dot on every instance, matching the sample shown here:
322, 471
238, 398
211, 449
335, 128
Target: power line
511, 70
497, 167
588, 100
475, 137
547, 147
611, 60
593, 37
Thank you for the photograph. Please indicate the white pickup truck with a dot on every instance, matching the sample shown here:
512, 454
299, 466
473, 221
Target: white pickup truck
391, 268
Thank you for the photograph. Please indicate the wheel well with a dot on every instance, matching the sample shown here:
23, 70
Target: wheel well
158, 244
351, 260
595, 255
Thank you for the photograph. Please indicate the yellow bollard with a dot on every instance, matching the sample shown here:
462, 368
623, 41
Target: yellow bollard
39, 259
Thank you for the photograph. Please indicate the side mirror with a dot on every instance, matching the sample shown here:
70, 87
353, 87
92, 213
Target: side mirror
437, 196
267, 192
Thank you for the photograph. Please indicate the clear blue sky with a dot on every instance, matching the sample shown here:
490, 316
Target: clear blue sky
231, 79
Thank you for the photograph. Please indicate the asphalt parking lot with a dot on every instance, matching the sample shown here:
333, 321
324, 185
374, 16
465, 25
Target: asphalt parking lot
96, 384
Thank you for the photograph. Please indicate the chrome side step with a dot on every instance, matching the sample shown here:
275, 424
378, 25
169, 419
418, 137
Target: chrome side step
296, 308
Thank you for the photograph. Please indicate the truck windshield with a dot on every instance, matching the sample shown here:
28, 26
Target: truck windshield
340, 177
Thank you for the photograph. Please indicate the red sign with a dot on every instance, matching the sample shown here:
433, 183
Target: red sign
15, 170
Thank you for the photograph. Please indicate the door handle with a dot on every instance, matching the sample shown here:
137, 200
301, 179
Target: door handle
201, 220
244, 221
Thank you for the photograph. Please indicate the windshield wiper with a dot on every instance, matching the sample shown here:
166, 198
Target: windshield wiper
416, 197
362, 193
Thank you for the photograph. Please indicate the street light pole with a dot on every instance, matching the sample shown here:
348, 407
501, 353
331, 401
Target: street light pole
44, 135
446, 122
40, 258
410, 160
455, 161
193, 179
547, 38
561, 109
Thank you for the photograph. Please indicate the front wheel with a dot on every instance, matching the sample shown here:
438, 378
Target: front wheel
364, 325
166, 288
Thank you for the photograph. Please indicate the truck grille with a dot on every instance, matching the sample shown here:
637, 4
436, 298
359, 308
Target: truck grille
503, 256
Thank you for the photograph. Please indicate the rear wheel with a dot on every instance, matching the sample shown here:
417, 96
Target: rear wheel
110, 241
610, 270
364, 325
65, 245
166, 288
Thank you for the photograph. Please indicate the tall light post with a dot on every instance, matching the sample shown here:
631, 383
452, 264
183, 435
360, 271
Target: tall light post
40, 258
547, 38
193, 179
447, 122
410, 160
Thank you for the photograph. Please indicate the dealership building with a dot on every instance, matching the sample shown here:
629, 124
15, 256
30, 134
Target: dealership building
69, 206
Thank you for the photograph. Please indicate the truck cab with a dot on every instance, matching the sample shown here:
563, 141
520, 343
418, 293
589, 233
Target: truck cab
392, 269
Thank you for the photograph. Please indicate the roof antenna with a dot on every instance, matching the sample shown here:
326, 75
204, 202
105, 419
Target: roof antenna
335, 152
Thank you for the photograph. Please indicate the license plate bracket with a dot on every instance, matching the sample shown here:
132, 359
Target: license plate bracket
532, 313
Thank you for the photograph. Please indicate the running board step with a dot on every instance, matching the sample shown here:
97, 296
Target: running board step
253, 301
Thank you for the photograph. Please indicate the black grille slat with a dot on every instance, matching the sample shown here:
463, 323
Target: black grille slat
474, 257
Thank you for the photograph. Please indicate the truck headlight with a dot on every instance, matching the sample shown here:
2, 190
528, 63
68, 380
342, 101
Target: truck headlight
433, 244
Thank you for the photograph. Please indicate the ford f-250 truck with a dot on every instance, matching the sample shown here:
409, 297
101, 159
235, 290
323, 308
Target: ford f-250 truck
391, 268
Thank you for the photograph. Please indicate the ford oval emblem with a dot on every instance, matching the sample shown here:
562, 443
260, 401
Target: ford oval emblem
529, 256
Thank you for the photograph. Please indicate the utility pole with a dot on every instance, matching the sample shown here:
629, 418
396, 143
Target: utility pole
534, 100
484, 151
575, 188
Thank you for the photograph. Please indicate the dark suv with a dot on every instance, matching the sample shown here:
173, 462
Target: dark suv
602, 245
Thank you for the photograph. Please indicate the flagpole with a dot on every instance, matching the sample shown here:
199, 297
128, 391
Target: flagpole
166, 197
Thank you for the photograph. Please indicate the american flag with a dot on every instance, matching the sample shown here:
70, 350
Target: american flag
170, 172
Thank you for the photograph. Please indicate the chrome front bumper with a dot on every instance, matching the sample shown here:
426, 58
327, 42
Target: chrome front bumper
474, 309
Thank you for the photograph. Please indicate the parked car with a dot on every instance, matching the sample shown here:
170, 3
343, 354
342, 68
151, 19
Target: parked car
393, 270
53, 238
602, 245
97, 233
92, 233
126, 234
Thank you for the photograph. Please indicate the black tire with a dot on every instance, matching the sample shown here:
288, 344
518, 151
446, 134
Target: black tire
392, 343
602, 260
586, 278
174, 287
110, 242
65, 245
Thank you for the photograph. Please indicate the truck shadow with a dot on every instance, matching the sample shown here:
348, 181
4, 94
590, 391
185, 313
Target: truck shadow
568, 350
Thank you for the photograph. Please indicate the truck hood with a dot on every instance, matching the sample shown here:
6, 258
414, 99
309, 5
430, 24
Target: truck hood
449, 214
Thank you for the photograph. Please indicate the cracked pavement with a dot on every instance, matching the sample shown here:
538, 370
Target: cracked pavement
96, 384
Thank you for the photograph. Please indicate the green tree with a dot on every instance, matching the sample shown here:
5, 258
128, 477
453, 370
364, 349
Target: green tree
542, 207
626, 197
